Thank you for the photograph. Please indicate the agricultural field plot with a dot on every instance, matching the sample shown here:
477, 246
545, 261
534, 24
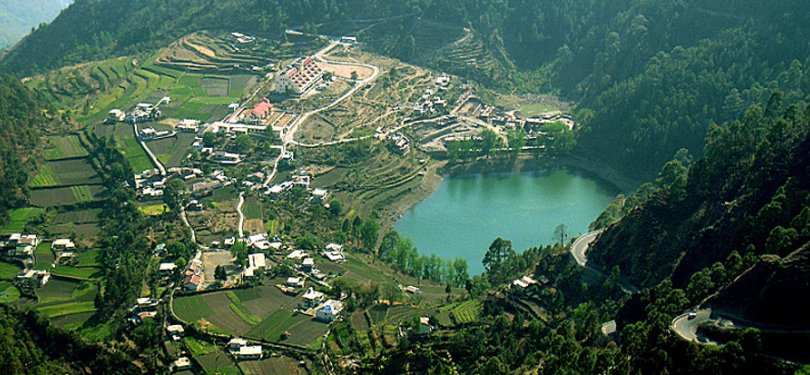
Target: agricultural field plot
8, 292
359, 321
192, 308
215, 86
304, 330
78, 273
68, 308
8, 271
65, 147
272, 366
132, 150
65, 173
154, 209
89, 215
56, 290
212, 259
73, 321
218, 362
252, 208
87, 231
19, 218
43, 255
533, 105
172, 151
66, 195
89, 258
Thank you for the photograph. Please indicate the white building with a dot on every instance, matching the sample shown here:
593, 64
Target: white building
188, 125
255, 262
299, 77
329, 311
63, 244
312, 298
295, 282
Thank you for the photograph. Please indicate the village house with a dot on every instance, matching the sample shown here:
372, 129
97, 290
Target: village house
227, 158
312, 298
424, 326
297, 254
167, 268
116, 115
260, 110
248, 352
255, 262
523, 282
334, 252
34, 278
320, 194
181, 364
193, 283
188, 125
175, 331
307, 264
329, 311
62, 244
294, 282
300, 77
22, 245
412, 289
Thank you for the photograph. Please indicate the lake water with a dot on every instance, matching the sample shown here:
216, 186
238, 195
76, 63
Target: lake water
467, 212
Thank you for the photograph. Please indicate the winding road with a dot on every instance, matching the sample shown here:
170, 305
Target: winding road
687, 328
581, 245
289, 137
241, 214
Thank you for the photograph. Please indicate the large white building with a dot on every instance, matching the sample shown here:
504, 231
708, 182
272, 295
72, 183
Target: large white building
299, 77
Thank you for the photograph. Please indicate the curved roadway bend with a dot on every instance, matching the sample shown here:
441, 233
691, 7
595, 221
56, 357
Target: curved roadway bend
289, 137
687, 328
241, 214
580, 246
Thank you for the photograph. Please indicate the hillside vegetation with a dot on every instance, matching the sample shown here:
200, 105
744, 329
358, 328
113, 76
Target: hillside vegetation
649, 76
745, 204
18, 17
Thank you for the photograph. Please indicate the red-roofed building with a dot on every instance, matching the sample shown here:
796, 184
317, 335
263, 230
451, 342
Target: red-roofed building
262, 109
299, 77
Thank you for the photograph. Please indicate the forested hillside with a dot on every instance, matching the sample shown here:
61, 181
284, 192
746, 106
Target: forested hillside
18, 17
746, 203
649, 76
20, 114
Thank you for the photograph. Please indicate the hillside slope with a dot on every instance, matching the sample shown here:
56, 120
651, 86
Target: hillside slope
748, 197
18, 17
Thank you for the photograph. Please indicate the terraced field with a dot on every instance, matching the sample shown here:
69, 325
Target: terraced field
65, 173
260, 313
65, 147
19, 218
62, 196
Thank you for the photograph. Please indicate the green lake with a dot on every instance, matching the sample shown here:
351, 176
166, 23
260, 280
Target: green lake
467, 212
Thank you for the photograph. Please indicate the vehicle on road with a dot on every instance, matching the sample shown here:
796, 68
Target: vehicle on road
692, 315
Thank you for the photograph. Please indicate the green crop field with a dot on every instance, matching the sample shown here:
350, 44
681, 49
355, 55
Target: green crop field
81, 273
78, 216
68, 308
65, 172
198, 347
56, 290
82, 193
8, 271
44, 255
8, 292
134, 153
65, 147
19, 218
303, 329
88, 258
154, 209
192, 308
466, 312
65, 195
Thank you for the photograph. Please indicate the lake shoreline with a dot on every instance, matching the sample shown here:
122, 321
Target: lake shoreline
439, 170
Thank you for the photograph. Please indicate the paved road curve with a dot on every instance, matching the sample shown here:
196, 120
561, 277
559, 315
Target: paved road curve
687, 328
580, 246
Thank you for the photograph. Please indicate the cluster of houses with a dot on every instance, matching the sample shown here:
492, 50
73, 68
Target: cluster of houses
401, 142
301, 180
240, 350
149, 184
429, 102
145, 308
20, 245
325, 310
525, 282
147, 134
142, 112
194, 276
300, 77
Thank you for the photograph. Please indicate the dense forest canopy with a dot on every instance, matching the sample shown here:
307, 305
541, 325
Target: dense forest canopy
20, 114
